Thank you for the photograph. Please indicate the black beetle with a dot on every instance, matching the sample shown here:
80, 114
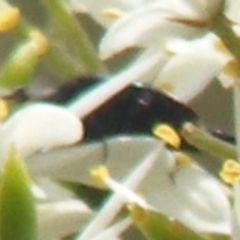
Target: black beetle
134, 110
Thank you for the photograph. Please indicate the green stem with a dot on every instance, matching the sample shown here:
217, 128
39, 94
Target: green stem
236, 100
221, 27
208, 143
77, 40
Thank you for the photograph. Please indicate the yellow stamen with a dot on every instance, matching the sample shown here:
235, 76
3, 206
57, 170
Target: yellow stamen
112, 13
137, 213
40, 41
167, 134
232, 69
182, 159
99, 175
220, 47
9, 19
230, 172
3, 109
165, 86
230, 72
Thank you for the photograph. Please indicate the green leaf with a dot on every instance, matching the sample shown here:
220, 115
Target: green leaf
17, 208
156, 226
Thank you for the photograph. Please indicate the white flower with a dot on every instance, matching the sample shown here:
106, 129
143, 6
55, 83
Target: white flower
40, 127
157, 27
184, 70
185, 192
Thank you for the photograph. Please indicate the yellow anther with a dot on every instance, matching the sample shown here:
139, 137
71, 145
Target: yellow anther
165, 86
168, 52
232, 69
137, 213
230, 172
3, 109
9, 19
167, 134
112, 13
40, 41
99, 175
182, 159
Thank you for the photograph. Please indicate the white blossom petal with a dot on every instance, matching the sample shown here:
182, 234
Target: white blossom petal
121, 192
51, 191
148, 25
232, 10
61, 218
191, 69
150, 76
74, 163
207, 208
200, 203
39, 127
188, 194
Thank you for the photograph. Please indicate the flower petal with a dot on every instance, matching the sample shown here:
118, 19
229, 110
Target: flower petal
74, 163
193, 197
190, 70
37, 127
232, 10
62, 218
148, 25
169, 191
207, 206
